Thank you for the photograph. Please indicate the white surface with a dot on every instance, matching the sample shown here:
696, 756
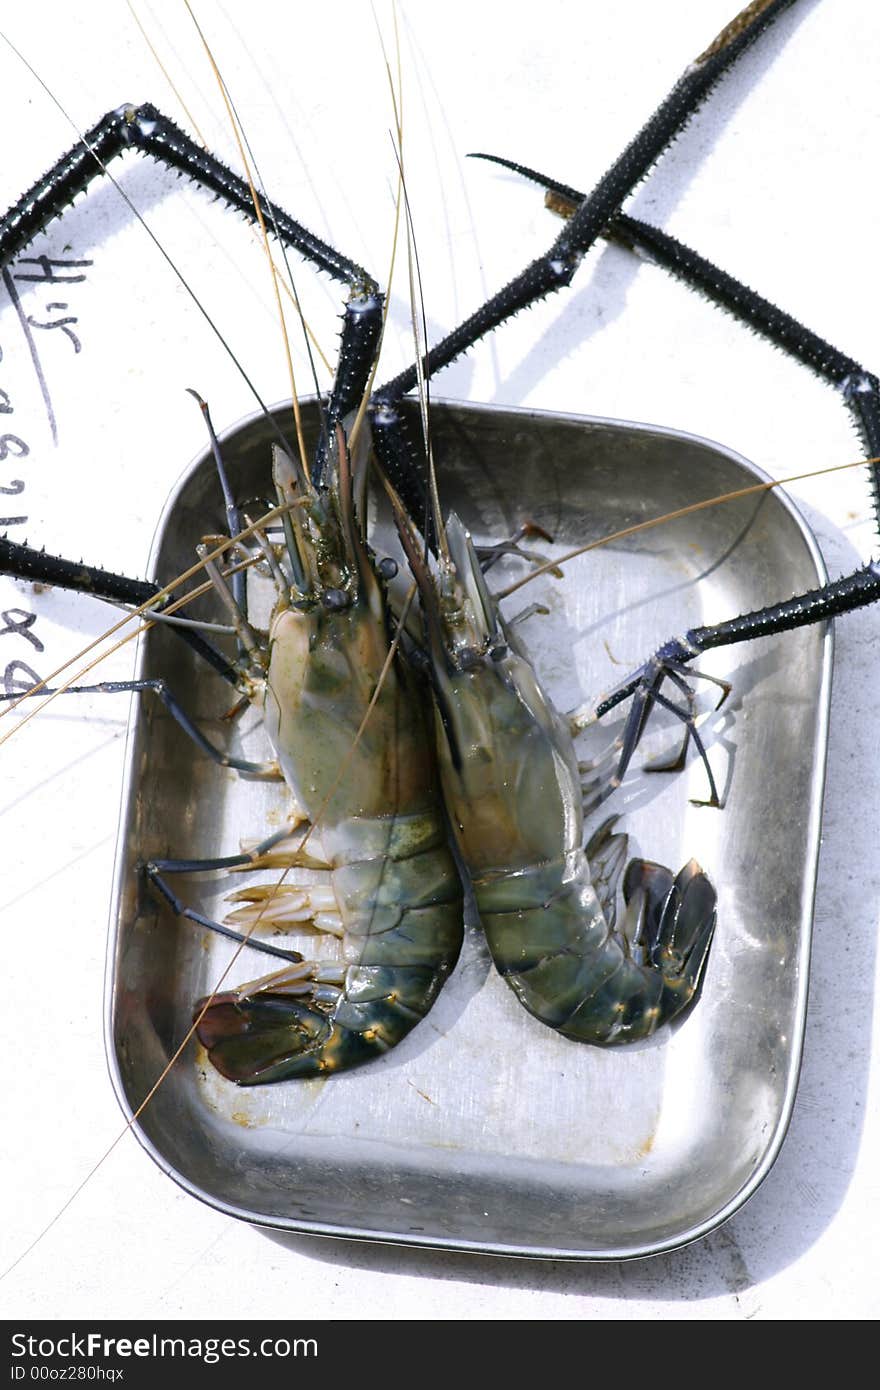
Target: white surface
774, 180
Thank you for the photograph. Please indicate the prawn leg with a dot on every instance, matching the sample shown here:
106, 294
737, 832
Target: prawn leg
161, 689
156, 869
852, 591
646, 693
180, 909
146, 129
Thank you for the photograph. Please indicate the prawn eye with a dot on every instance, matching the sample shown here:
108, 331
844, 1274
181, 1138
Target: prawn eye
387, 567
500, 652
468, 658
335, 600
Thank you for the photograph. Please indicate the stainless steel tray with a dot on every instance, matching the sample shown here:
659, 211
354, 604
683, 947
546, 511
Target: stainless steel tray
483, 1130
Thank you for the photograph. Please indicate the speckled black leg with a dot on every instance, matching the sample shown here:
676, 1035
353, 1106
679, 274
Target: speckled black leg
400, 450
146, 129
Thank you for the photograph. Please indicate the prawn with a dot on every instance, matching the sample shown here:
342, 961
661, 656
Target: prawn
345, 721
512, 787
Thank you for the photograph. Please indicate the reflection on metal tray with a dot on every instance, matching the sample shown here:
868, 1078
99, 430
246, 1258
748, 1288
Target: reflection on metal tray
484, 1130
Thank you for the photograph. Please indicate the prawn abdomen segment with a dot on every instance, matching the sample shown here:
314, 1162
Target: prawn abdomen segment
551, 942
395, 908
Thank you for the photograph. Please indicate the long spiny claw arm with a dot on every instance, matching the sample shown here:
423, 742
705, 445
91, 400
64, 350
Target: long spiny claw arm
397, 450
144, 128
858, 388
23, 562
